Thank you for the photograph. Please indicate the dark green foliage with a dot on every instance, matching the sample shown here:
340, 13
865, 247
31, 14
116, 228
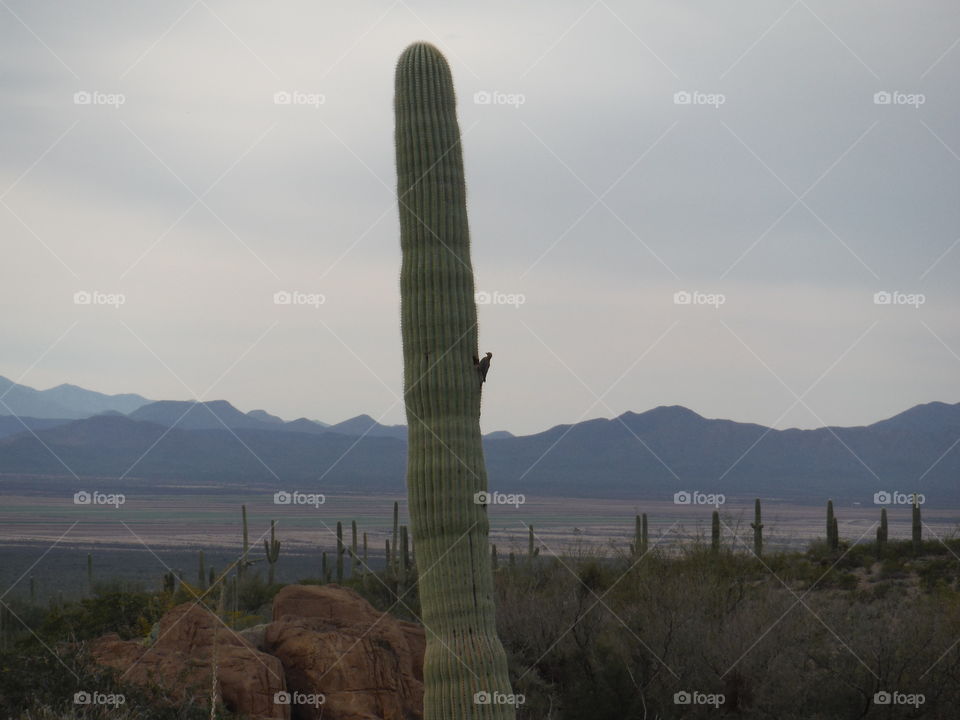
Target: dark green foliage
128, 614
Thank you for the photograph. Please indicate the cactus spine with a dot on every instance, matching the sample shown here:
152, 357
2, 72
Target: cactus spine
715, 532
445, 466
757, 529
917, 527
272, 549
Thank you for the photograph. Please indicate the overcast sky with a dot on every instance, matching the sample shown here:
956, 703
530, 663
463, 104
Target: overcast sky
782, 197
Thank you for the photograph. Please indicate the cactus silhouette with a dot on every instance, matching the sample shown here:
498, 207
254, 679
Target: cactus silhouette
272, 549
244, 562
339, 553
757, 529
353, 549
882, 531
917, 528
394, 544
445, 465
715, 532
833, 535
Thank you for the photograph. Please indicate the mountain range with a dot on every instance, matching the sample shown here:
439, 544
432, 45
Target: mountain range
636, 455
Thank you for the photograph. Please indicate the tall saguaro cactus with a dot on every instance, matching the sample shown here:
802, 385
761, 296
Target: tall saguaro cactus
272, 550
833, 535
715, 532
882, 532
916, 528
445, 465
757, 529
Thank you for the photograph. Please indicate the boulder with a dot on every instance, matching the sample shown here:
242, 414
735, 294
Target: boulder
365, 664
180, 661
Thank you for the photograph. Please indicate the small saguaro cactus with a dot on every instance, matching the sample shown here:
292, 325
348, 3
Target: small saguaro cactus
90, 572
882, 532
388, 567
354, 558
757, 529
244, 562
212, 577
639, 545
917, 528
715, 532
169, 582
493, 557
833, 536
392, 560
272, 549
533, 550
324, 570
366, 566
442, 391
340, 551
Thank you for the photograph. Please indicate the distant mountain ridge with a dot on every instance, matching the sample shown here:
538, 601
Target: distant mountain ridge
636, 455
63, 401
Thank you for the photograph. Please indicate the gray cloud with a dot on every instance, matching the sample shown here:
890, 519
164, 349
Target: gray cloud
303, 201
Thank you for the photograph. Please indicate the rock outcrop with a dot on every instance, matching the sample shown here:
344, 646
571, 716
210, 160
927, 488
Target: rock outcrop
330, 640
181, 660
327, 653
